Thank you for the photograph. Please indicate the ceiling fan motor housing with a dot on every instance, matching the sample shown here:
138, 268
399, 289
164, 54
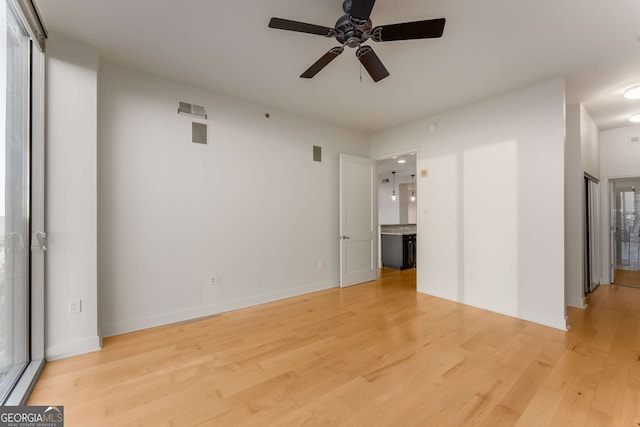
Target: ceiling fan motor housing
352, 35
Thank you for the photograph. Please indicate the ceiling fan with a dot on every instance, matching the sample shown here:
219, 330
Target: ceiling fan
355, 28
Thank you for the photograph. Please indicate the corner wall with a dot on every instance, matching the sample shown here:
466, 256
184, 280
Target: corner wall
491, 207
582, 156
574, 210
71, 198
250, 207
589, 143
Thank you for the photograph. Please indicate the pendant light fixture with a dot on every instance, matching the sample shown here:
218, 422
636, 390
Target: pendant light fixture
413, 188
393, 184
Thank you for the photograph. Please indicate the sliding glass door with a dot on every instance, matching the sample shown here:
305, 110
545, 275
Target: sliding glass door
15, 48
22, 237
628, 257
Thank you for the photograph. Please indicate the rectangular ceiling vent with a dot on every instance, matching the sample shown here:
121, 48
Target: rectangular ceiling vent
192, 109
635, 140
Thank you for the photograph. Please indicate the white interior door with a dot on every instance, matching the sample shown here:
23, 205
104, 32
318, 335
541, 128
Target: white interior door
358, 221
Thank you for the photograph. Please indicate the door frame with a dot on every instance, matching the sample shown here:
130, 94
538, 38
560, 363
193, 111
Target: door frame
613, 248
606, 221
592, 221
36, 303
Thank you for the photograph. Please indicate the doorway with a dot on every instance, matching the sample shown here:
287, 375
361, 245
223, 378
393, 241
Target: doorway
397, 214
626, 236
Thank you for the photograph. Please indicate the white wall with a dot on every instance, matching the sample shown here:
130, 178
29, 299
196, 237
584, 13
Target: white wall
589, 143
71, 177
407, 207
619, 157
491, 211
574, 211
251, 206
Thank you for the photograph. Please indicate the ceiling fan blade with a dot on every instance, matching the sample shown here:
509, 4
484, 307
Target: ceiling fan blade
372, 63
301, 27
361, 9
429, 29
322, 62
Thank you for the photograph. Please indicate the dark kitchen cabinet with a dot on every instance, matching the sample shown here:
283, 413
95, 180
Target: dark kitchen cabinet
399, 251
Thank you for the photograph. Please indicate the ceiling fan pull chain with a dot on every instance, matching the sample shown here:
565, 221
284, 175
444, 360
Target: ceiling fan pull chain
360, 72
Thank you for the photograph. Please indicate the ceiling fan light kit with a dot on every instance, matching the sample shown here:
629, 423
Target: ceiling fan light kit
355, 28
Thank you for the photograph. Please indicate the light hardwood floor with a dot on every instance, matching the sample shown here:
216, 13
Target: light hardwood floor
377, 354
628, 278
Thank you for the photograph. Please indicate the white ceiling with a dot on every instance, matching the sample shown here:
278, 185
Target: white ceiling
386, 166
489, 47
626, 183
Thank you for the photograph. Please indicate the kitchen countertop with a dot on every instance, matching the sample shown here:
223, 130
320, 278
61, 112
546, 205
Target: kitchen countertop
402, 233
398, 229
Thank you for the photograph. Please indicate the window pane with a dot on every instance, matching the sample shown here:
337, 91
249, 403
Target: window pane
14, 197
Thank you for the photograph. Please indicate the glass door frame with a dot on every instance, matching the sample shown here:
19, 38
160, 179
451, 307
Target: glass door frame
30, 19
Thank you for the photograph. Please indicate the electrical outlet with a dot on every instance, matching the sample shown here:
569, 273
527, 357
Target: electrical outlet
75, 306
214, 280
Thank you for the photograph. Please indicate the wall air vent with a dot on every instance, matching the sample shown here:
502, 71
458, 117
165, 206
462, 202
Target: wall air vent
635, 140
385, 181
198, 133
192, 109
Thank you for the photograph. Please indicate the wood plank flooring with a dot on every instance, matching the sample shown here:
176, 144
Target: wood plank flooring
628, 278
377, 354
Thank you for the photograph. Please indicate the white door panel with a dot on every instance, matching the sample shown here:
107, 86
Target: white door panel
358, 221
